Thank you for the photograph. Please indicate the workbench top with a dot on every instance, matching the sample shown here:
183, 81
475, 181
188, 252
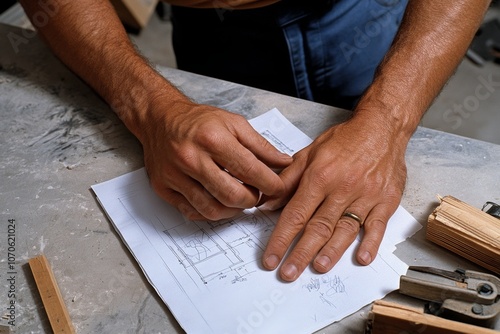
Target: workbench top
58, 138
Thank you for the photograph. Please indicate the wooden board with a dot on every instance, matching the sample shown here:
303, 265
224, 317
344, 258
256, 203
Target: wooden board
467, 231
134, 13
51, 296
390, 318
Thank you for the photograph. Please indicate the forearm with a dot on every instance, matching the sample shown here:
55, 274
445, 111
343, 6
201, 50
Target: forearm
430, 44
89, 38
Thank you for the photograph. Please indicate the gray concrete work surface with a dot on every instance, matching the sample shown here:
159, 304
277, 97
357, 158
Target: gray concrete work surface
58, 138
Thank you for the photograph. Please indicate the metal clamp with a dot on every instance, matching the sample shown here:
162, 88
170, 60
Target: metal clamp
463, 295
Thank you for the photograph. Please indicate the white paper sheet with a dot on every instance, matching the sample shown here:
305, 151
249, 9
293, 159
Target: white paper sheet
209, 273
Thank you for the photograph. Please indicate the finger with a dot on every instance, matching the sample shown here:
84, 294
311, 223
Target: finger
185, 193
262, 149
375, 226
291, 177
207, 205
346, 230
317, 232
211, 178
291, 222
228, 190
245, 166
181, 203
248, 156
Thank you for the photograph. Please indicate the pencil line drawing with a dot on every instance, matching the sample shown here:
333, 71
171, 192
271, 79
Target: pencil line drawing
327, 287
276, 142
221, 250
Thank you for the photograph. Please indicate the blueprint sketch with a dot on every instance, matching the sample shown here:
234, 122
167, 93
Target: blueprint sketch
209, 273
220, 251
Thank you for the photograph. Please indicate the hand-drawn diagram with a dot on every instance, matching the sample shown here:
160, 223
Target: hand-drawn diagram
327, 287
198, 268
221, 250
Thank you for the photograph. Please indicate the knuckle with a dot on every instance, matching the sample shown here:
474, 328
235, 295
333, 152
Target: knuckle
321, 178
333, 251
187, 158
250, 168
320, 228
301, 156
210, 212
246, 166
234, 197
238, 119
380, 222
349, 225
203, 205
218, 212
162, 189
349, 183
377, 225
393, 194
208, 138
302, 255
296, 215
281, 242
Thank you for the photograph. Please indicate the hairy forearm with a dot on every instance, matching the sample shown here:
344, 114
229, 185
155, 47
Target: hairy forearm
89, 38
430, 44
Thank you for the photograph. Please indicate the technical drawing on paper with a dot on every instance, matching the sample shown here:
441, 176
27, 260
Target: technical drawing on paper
222, 250
277, 143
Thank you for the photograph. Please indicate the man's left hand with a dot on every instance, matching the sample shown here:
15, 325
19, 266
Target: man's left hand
355, 167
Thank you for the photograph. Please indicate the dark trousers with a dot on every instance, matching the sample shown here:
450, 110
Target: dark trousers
323, 51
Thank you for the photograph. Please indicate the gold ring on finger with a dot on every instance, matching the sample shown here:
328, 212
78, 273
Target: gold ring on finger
354, 216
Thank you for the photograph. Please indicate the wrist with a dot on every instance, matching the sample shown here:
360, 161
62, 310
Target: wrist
392, 114
143, 99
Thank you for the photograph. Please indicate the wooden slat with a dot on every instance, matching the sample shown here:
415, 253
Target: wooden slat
467, 231
391, 318
51, 296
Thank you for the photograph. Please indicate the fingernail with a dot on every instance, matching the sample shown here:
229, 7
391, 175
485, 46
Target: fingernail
324, 261
365, 257
290, 271
272, 261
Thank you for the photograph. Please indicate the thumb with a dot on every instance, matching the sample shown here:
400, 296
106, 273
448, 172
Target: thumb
291, 177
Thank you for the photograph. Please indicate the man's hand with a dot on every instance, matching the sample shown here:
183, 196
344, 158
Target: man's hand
343, 170
194, 154
207, 162
358, 166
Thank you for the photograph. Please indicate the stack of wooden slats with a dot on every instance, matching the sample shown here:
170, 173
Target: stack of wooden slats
467, 231
390, 318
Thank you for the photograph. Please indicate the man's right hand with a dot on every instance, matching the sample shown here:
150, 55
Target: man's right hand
195, 155
207, 162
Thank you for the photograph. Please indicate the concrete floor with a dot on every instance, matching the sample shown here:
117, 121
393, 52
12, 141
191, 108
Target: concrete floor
461, 108
469, 105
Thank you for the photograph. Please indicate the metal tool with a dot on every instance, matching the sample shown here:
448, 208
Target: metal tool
492, 209
464, 295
